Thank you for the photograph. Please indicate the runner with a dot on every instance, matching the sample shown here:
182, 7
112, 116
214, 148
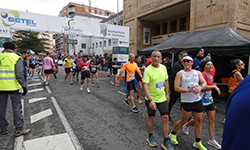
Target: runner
156, 88
32, 63
130, 67
40, 67
208, 103
93, 70
138, 78
115, 67
78, 60
68, 67
187, 83
48, 68
55, 60
85, 64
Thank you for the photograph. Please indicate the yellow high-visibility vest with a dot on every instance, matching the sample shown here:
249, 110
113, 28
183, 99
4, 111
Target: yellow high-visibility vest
8, 81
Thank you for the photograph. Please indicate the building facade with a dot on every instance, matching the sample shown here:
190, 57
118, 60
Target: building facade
153, 21
85, 45
48, 41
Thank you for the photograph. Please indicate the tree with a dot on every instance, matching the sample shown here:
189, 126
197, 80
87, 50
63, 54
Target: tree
27, 40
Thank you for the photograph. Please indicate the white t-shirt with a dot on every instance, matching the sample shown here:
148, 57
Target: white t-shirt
189, 79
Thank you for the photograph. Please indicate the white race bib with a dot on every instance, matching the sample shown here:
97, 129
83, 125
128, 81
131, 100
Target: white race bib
86, 67
71, 69
132, 76
93, 69
159, 85
56, 60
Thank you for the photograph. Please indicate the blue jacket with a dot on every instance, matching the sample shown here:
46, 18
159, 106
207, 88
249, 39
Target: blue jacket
197, 63
236, 134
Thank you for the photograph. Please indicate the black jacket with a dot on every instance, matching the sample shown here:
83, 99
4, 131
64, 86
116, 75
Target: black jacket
175, 69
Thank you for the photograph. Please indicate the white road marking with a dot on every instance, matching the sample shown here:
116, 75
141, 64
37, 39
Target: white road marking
66, 125
34, 80
40, 115
35, 90
34, 84
55, 142
122, 93
18, 143
36, 99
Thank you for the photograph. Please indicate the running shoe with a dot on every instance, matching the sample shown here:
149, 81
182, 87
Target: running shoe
98, 85
151, 141
71, 83
126, 102
199, 146
117, 84
4, 132
47, 84
135, 110
88, 91
29, 77
42, 74
32, 78
22, 132
166, 145
74, 77
138, 100
214, 144
92, 84
111, 82
81, 88
185, 129
223, 122
77, 80
55, 77
173, 139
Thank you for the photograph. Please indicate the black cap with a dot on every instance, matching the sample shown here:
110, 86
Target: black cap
9, 45
197, 50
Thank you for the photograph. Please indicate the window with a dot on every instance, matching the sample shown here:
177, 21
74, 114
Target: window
83, 45
109, 42
96, 45
157, 29
103, 13
173, 26
100, 44
107, 14
86, 9
93, 11
164, 28
183, 22
104, 43
98, 12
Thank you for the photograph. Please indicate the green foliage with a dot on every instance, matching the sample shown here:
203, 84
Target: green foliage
105, 55
27, 40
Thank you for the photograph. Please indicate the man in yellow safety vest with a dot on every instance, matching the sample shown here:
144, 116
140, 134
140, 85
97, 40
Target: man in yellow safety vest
11, 81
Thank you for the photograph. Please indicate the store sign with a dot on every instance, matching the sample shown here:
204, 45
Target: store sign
70, 41
3, 40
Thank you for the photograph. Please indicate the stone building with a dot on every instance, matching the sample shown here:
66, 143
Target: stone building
153, 21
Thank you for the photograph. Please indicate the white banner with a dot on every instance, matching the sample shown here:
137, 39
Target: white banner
20, 20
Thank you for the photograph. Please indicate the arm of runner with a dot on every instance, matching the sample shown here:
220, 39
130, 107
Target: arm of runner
238, 76
53, 65
152, 104
119, 77
203, 84
167, 90
177, 84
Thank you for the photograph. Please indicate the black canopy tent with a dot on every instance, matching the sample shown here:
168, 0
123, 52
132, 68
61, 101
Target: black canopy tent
222, 41
224, 44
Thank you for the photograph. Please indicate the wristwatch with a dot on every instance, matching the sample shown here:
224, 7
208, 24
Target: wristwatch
149, 100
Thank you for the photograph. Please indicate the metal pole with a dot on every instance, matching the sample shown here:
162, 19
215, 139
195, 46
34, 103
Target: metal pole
172, 63
117, 13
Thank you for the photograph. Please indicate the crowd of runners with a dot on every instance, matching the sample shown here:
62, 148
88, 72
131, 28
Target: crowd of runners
191, 81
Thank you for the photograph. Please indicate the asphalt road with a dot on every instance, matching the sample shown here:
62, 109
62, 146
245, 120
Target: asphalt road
98, 120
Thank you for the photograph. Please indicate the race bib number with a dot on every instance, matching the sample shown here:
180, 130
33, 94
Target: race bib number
159, 85
86, 67
93, 69
71, 69
33, 62
132, 76
56, 60
207, 98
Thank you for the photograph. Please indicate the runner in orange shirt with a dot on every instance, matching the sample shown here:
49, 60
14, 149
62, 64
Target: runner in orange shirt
131, 83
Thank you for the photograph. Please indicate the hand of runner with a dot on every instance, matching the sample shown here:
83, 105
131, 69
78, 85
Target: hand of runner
196, 90
191, 89
218, 90
152, 105
168, 98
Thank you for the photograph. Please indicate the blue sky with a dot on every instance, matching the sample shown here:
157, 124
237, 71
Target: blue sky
52, 7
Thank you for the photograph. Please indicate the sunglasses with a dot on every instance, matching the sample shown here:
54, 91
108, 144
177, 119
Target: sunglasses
242, 64
188, 61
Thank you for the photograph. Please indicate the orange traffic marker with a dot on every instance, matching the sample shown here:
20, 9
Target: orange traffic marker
100, 73
108, 74
122, 78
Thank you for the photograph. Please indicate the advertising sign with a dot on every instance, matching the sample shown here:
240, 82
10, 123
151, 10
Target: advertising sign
70, 41
3, 40
20, 20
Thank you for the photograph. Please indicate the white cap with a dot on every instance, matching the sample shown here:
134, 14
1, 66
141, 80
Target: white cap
187, 58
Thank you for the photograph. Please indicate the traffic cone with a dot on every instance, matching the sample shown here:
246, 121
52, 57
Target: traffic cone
108, 74
122, 78
100, 73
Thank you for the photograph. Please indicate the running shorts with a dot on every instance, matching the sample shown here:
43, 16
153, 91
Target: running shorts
93, 72
114, 71
194, 107
50, 71
162, 107
68, 70
131, 86
208, 108
85, 74
32, 66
